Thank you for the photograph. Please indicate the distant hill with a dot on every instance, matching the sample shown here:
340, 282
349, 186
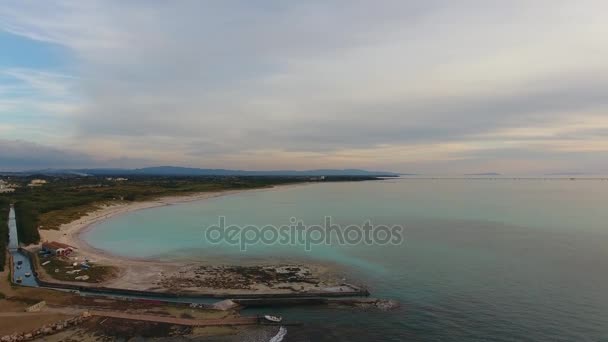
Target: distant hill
483, 174
188, 171
566, 174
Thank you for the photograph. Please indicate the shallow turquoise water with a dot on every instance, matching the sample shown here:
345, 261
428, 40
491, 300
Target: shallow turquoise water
505, 260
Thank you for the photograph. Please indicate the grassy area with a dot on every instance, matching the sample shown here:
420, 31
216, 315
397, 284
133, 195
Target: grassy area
4, 210
26, 216
96, 273
63, 200
54, 219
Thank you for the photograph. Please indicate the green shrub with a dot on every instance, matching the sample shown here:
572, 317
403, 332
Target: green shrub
4, 211
26, 216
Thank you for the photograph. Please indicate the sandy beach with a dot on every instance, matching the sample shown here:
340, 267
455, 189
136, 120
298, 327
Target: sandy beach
185, 277
70, 233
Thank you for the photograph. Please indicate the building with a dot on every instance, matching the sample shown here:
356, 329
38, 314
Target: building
37, 182
119, 179
5, 187
57, 248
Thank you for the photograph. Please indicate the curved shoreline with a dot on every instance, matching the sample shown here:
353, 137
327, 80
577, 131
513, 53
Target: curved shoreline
149, 274
72, 233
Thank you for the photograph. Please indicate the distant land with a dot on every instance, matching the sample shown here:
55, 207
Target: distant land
188, 171
483, 174
566, 174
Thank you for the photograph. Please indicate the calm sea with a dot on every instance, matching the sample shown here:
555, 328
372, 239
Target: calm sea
482, 260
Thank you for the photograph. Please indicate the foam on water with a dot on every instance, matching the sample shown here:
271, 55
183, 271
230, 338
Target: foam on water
280, 335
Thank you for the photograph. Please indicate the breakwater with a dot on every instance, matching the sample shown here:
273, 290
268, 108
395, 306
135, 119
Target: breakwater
171, 296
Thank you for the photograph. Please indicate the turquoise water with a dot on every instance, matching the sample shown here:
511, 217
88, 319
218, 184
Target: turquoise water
503, 260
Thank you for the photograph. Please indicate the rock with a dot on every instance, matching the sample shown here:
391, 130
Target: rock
225, 305
387, 304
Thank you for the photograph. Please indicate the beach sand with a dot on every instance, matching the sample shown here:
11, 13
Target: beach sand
163, 276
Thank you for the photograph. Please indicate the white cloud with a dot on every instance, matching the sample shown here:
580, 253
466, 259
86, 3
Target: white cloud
337, 83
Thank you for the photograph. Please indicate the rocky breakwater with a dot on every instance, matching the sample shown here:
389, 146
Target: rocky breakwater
366, 303
46, 330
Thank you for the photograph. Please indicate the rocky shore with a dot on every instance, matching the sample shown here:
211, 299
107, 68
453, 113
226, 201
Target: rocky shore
46, 330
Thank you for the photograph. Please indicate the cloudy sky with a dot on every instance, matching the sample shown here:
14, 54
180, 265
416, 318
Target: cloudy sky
424, 86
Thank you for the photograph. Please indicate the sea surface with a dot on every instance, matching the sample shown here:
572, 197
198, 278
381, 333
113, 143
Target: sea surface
486, 259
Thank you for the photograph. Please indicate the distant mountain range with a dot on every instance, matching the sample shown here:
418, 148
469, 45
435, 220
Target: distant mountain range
188, 171
483, 174
566, 174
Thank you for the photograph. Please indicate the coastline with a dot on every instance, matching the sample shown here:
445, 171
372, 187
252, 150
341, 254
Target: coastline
71, 233
145, 274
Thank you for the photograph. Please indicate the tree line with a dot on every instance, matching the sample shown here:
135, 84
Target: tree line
4, 211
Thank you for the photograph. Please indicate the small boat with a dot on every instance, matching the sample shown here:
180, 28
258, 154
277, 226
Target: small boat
275, 319
19, 262
28, 274
19, 280
18, 267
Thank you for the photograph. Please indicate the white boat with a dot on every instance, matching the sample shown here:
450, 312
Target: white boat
28, 274
19, 280
18, 267
275, 319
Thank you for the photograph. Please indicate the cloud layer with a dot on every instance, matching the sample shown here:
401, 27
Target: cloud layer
403, 85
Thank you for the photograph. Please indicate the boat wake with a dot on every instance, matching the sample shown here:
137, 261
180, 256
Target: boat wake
279, 336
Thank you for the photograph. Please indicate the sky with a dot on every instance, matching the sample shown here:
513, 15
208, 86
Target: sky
516, 87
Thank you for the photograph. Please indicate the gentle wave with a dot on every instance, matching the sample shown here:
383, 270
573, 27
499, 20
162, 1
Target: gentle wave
279, 336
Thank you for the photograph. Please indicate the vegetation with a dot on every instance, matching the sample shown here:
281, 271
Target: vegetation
64, 199
26, 215
96, 274
4, 210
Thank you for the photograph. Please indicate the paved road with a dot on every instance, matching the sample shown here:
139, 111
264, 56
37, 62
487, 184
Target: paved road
19, 271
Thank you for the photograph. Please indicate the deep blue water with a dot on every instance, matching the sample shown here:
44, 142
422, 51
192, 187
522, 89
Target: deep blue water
483, 260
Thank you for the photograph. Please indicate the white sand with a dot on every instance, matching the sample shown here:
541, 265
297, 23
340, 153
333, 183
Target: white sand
139, 274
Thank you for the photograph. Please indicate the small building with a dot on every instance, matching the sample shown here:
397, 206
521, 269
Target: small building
119, 179
37, 182
6, 187
57, 248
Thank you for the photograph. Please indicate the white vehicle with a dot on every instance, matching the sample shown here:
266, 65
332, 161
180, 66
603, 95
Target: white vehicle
275, 319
